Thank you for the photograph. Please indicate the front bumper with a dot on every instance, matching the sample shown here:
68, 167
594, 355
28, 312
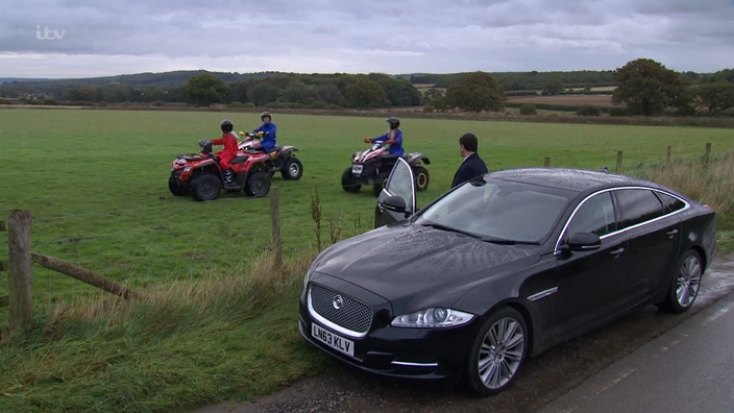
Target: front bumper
398, 351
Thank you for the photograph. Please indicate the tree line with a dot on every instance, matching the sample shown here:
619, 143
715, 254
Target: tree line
643, 87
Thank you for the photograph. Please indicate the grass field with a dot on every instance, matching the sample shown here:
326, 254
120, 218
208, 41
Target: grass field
96, 183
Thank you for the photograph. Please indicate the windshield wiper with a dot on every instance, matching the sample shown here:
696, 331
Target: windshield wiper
501, 241
450, 229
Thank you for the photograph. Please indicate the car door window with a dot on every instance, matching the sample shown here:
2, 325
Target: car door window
400, 183
637, 206
670, 203
595, 215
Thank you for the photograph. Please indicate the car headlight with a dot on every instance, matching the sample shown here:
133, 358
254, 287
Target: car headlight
433, 318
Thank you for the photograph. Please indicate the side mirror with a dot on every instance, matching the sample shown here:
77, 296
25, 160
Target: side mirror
394, 203
582, 241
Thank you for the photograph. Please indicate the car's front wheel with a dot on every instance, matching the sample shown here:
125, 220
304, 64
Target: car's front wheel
684, 286
498, 352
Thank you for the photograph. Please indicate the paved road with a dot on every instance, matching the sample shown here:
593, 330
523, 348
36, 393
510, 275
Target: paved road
545, 382
688, 369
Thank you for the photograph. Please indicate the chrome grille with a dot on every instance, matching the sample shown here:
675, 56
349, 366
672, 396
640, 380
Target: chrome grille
352, 315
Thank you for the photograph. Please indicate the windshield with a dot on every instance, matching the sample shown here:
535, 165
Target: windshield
498, 210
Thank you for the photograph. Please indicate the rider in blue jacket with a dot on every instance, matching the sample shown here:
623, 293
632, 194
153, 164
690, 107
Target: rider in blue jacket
267, 131
393, 137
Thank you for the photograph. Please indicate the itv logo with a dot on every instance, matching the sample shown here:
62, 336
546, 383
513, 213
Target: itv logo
46, 33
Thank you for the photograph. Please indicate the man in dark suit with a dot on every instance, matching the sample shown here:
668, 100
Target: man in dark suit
473, 165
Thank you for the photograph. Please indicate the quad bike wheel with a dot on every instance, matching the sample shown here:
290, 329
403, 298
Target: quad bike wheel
175, 188
293, 169
258, 184
377, 188
349, 183
206, 187
421, 178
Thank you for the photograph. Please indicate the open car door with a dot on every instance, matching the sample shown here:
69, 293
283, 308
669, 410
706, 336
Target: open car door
397, 199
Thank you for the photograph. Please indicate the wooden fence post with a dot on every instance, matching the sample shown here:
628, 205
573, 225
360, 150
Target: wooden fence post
618, 168
546, 161
3, 266
20, 275
707, 155
667, 157
275, 219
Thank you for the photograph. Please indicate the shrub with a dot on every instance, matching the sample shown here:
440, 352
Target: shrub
528, 109
587, 110
617, 112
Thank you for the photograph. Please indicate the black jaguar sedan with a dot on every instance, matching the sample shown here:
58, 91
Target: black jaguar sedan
500, 269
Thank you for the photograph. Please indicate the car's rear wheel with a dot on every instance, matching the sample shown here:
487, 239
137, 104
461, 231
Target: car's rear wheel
206, 187
498, 352
176, 188
421, 178
293, 169
258, 184
684, 286
349, 182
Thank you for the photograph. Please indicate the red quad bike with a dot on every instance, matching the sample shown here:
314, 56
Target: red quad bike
373, 166
200, 175
281, 158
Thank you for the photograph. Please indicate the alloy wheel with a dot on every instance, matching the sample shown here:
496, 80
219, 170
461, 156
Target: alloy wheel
689, 280
501, 353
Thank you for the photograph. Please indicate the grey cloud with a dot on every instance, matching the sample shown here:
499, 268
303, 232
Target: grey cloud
392, 36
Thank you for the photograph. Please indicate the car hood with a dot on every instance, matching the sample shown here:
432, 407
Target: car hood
417, 263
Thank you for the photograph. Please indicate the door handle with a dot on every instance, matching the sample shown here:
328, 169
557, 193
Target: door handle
617, 251
671, 233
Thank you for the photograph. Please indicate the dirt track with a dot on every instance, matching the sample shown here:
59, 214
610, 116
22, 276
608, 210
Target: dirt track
565, 100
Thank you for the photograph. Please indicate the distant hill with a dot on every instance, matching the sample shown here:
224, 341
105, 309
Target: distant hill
169, 81
161, 80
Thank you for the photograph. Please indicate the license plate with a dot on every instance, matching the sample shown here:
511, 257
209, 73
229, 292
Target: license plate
332, 340
357, 169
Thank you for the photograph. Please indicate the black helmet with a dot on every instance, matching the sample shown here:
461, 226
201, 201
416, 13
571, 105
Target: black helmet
394, 122
226, 125
265, 115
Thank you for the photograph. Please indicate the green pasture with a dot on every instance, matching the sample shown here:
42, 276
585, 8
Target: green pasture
95, 182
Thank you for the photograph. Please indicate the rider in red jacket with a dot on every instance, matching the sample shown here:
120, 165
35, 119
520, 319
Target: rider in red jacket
229, 140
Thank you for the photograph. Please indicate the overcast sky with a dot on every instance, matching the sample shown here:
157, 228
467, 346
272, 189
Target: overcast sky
80, 38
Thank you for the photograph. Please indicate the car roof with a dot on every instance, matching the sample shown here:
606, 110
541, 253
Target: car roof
576, 180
